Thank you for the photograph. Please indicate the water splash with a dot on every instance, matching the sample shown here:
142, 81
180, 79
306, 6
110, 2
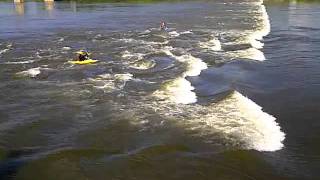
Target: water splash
179, 90
213, 44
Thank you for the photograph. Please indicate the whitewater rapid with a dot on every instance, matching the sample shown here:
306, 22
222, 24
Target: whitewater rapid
159, 64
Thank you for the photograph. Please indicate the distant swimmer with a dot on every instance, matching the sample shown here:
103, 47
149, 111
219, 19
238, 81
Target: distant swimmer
163, 26
82, 55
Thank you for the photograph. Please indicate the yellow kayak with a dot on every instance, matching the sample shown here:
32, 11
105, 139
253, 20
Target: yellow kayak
88, 61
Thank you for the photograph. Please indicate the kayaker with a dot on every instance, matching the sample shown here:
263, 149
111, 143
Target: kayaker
82, 55
163, 26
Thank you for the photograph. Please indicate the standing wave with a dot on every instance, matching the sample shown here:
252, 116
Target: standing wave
234, 122
179, 90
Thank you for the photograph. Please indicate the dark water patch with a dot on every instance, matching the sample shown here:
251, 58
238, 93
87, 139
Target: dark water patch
222, 79
9, 168
66, 162
157, 162
12, 161
216, 97
236, 47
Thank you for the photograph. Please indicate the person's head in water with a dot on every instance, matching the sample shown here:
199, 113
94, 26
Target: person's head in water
82, 55
163, 25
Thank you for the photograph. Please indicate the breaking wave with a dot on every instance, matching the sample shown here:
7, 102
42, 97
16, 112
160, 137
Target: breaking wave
251, 53
179, 90
235, 121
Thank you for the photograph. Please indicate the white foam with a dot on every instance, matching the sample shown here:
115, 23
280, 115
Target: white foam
33, 72
179, 90
242, 120
255, 36
256, 43
235, 121
260, 2
213, 44
98, 36
8, 47
187, 32
66, 48
263, 28
123, 77
111, 82
194, 65
250, 53
174, 34
143, 64
19, 62
128, 55
131, 40
4, 51
146, 31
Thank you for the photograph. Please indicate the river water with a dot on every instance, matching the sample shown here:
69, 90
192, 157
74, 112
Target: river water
229, 91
